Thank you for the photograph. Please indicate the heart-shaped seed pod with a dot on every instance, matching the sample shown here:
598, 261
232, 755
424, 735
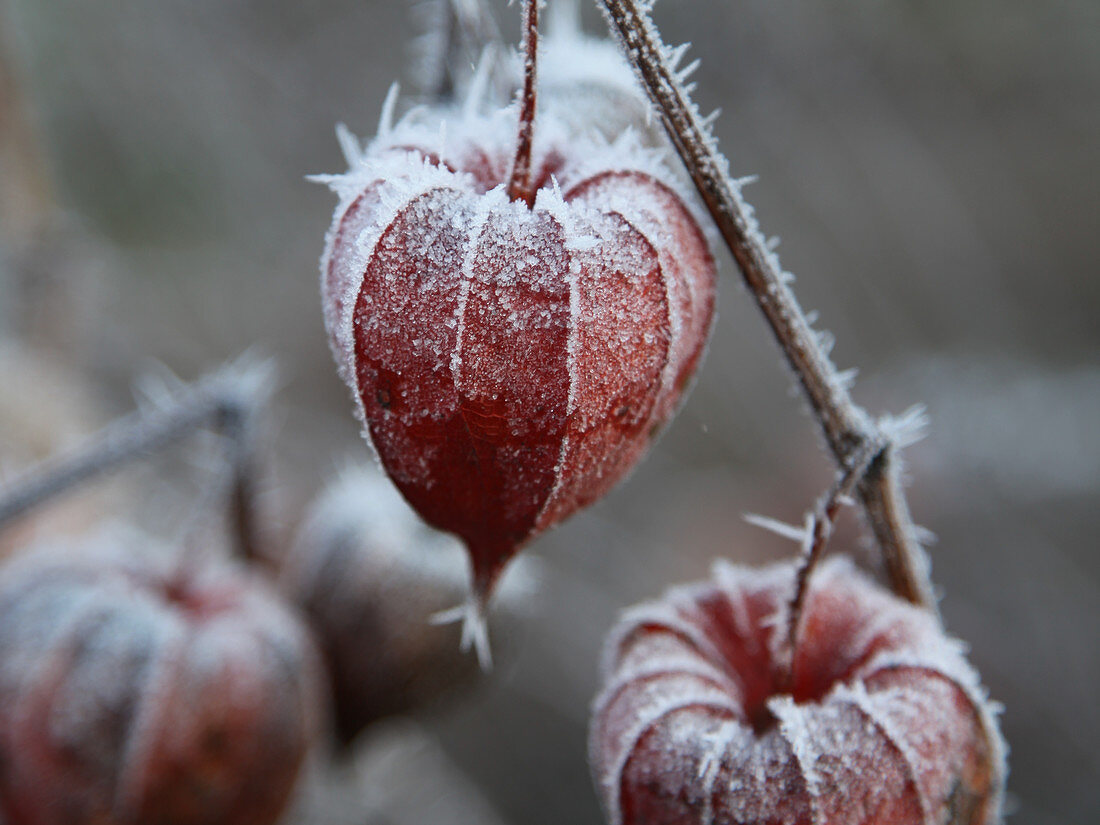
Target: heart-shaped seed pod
134, 691
885, 721
369, 576
511, 362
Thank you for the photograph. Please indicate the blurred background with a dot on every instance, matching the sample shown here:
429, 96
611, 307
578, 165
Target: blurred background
932, 170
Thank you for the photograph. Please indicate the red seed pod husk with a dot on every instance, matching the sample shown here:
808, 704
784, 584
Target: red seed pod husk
369, 575
885, 721
134, 691
511, 363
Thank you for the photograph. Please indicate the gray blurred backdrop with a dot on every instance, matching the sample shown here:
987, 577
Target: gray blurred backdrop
933, 171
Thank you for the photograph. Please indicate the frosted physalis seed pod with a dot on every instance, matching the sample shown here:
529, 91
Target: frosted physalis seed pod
511, 361
134, 690
885, 721
369, 575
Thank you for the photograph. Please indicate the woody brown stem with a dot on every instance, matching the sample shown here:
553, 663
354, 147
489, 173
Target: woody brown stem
519, 186
847, 428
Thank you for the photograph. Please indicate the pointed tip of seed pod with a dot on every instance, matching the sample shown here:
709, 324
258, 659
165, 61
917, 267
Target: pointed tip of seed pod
475, 627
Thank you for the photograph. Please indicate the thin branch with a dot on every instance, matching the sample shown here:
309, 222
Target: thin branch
847, 428
226, 401
519, 185
819, 527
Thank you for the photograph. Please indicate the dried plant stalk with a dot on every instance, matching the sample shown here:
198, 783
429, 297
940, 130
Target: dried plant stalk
848, 429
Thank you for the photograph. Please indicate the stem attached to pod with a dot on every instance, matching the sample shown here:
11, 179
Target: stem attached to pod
519, 186
819, 526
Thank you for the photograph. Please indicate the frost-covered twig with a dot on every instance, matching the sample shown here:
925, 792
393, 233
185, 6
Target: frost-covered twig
226, 401
847, 428
819, 526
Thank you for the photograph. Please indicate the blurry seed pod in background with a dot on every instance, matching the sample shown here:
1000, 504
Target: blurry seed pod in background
369, 575
138, 685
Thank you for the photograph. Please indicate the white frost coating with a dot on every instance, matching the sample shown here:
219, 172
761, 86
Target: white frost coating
686, 72
570, 59
659, 614
144, 734
949, 660
796, 533
847, 378
720, 742
736, 579
550, 202
626, 153
709, 120
25, 665
394, 178
389, 105
349, 145
399, 177
112, 635
653, 713
491, 202
668, 666
674, 55
906, 429
475, 628
856, 694
793, 727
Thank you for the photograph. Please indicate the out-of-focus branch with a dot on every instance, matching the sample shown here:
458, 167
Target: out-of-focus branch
226, 401
847, 428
